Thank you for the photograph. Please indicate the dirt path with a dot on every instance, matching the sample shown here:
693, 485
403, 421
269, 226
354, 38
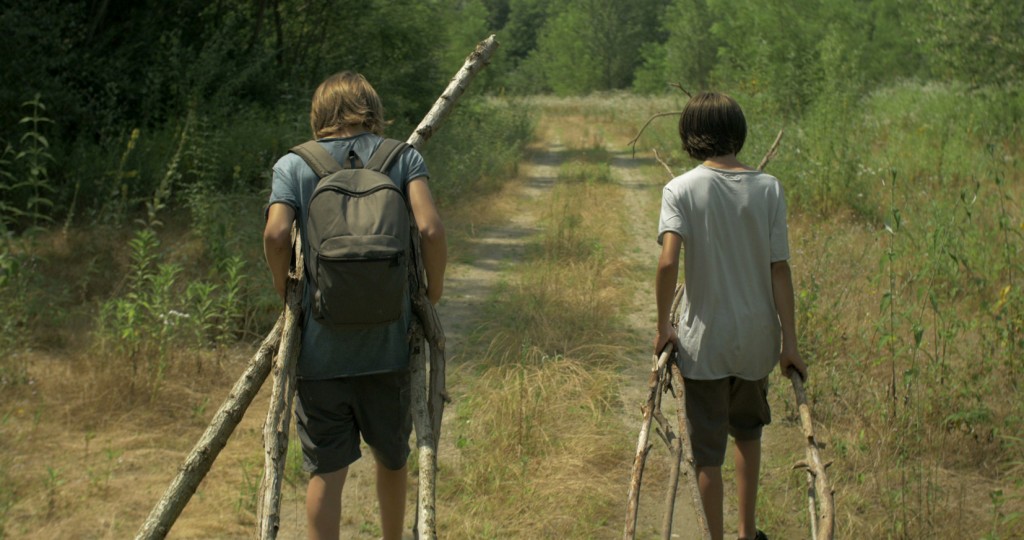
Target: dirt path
641, 205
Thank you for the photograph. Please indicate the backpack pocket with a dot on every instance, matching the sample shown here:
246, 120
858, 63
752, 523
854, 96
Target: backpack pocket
361, 281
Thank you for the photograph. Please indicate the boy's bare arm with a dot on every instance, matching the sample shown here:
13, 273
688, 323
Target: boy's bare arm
277, 243
433, 240
665, 288
782, 290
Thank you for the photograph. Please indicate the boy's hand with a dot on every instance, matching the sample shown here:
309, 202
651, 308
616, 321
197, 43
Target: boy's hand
790, 359
663, 337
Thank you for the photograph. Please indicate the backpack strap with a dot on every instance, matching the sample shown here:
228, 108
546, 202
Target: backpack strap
318, 159
385, 155
323, 163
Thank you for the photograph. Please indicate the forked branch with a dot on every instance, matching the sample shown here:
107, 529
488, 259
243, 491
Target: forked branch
821, 502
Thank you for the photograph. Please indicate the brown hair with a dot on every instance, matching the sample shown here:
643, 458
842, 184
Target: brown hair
712, 124
346, 99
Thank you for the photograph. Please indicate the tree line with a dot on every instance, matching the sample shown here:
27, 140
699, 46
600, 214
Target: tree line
105, 67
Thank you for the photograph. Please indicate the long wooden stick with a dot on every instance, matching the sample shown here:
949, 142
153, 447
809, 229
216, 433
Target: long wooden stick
276, 426
425, 525
429, 393
821, 503
642, 448
679, 445
205, 451
476, 61
684, 439
771, 152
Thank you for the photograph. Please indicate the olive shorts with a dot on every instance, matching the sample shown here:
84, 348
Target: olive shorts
332, 414
718, 408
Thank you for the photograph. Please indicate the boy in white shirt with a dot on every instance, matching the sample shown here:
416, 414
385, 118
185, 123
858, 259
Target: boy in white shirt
731, 220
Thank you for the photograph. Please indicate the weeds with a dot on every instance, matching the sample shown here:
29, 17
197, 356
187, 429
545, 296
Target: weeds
531, 435
116, 207
52, 482
36, 154
248, 489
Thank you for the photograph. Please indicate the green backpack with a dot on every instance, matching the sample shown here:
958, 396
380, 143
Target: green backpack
358, 231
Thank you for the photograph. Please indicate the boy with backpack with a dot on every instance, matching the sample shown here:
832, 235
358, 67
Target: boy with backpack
738, 301
350, 192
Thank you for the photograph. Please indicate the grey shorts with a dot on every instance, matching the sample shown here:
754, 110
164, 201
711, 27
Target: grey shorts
718, 408
332, 414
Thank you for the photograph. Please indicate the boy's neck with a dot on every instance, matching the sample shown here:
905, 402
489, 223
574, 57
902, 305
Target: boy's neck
727, 162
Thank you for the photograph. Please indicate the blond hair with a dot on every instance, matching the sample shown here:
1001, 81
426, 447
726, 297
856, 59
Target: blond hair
346, 99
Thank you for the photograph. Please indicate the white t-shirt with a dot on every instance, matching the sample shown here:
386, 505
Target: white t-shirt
733, 226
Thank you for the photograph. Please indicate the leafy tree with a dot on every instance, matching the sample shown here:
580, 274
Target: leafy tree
594, 44
976, 41
687, 54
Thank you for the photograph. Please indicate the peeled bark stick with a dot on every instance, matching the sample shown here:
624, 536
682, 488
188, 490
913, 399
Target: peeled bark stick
475, 62
425, 525
431, 401
676, 449
422, 394
205, 451
820, 491
276, 426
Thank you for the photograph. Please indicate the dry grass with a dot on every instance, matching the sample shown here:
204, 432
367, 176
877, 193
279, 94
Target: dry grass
87, 458
536, 454
539, 444
539, 448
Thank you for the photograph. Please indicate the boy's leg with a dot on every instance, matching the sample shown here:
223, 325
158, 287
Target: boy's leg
323, 504
386, 423
748, 414
748, 466
391, 491
330, 442
709, 479
707, 410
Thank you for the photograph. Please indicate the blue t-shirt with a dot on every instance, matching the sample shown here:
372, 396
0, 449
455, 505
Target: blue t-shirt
329, 353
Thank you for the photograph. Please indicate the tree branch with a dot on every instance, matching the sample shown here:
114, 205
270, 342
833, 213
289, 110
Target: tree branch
634, 140
771, 152
276, 426
209, 445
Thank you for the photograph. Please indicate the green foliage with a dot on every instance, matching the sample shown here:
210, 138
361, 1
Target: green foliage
481, 144
589, 45
25, 184
7, 497
686, 56
977, 41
